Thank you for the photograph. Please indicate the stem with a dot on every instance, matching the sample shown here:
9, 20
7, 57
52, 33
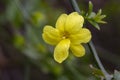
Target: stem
91, 46
93, 50
75, 5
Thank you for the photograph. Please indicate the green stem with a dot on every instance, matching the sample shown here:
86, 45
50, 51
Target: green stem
75, 5
93, 50
91, 46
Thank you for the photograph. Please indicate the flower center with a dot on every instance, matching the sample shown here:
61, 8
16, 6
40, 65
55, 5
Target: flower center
65, 35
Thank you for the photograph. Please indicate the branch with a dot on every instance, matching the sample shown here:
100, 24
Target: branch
91, 45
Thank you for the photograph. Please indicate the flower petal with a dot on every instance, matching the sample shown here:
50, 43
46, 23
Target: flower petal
83, 36
74, 22
77, 50
51, 35
62, 50
61, 22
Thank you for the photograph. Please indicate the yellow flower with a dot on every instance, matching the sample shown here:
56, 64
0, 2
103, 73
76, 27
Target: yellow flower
67, 34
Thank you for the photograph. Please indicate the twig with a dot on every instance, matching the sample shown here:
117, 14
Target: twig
93, 50
91, 45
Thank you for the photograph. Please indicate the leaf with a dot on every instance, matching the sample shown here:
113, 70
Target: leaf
116, 75
90, 8
97, 72
98, 18
99, 12
92, 15
94, 18
102, 16
94, 24
83, 13
103, 22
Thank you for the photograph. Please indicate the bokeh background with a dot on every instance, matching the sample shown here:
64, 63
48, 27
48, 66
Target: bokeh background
25, 56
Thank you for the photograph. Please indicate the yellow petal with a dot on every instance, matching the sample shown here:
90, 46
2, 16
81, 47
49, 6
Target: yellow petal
83, 36
62, 50
77, 50
51, 35
61, 22
74, 22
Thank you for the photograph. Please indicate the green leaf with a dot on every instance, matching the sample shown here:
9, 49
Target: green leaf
94, 24
102, 16
116, 75
92, 15
99, 12
94, 18
90, 8
83, 13
103, 22
98, 18
97, 72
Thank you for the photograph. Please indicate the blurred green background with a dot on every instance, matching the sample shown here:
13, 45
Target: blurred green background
25, 56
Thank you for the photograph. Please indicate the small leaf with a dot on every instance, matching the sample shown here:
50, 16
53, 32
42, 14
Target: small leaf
92, 15
94, 18
103, 22
90, 8
97, 72
116, 75
94, 24
83, 13
102, 16
99, 12
98, 18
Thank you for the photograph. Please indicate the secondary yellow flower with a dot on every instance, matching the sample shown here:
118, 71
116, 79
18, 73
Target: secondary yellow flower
67, 34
